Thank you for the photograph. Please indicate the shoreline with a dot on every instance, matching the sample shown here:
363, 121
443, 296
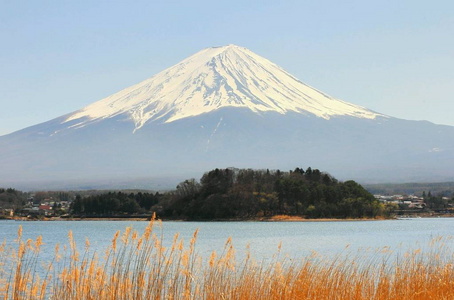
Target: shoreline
277, 218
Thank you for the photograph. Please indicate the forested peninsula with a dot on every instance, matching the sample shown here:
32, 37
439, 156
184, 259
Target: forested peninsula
242, 194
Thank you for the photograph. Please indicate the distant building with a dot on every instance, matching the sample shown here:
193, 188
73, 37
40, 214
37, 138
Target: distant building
46, 209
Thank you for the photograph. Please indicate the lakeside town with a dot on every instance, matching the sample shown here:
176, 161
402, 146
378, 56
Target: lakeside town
43, 205
424, 205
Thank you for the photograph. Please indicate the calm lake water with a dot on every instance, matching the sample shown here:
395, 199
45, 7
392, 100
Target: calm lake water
298, 238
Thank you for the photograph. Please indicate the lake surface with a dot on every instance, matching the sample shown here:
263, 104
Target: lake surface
298, 238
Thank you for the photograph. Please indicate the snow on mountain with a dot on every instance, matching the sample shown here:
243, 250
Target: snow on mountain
221, 107
214, 78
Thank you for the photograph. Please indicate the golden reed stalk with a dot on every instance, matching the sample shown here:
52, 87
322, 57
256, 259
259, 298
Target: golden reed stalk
138, 266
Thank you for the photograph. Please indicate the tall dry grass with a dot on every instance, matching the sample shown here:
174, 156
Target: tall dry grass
138, 266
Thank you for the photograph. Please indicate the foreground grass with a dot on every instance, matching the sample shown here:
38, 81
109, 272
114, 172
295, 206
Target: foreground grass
137, 266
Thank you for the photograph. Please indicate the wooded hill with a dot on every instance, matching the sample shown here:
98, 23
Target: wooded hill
244, 194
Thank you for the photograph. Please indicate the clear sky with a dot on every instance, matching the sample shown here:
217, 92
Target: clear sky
394, 57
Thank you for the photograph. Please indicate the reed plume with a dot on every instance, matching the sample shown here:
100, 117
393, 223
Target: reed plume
138, 266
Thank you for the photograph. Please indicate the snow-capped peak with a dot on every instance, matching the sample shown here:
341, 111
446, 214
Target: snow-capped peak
217, 77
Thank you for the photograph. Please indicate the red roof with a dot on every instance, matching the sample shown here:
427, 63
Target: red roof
45, 207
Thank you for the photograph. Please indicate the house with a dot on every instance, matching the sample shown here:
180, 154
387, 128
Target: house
46, 210
31, 211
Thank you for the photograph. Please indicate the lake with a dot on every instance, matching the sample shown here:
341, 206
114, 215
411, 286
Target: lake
298, 238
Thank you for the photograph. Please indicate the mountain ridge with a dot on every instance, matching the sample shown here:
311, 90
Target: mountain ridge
228, 76
146, 132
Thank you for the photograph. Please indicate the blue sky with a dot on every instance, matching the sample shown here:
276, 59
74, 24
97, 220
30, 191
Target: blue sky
394, 57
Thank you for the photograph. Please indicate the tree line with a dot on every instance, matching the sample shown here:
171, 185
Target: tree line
243, 194
438, 202
247, 193
114, 203
11, 198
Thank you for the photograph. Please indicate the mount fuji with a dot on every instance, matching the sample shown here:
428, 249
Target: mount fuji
223, 106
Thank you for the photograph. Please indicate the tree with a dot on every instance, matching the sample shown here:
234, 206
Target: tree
217, 181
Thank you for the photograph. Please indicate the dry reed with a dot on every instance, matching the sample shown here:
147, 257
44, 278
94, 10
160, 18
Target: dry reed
138, 266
